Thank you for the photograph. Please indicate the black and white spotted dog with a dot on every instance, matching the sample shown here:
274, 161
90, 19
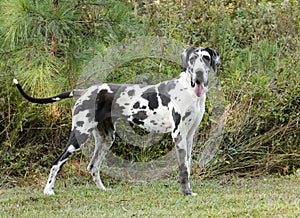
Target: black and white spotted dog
175, 106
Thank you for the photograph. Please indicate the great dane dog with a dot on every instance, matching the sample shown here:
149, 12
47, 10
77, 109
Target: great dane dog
175, 106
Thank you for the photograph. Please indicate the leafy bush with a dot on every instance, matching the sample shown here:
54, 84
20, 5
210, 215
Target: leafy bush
262, 129
44, 44
258, 42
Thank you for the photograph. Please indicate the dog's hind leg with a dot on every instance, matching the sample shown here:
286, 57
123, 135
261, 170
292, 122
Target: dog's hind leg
103, 141
92, 167
72, 146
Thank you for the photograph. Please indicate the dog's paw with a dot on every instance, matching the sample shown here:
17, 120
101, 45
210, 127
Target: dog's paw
193, 194
48, 191
189, 193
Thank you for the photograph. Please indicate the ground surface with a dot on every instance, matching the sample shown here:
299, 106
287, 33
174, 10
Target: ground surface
224, 197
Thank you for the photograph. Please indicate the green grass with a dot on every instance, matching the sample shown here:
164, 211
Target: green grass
234, 197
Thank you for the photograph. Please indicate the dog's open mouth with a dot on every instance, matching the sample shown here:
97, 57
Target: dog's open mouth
199, 90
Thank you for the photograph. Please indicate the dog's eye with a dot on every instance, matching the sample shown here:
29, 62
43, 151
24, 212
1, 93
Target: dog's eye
193, 59
206, 58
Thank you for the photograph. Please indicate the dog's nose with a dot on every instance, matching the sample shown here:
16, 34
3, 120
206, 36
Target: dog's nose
198, 81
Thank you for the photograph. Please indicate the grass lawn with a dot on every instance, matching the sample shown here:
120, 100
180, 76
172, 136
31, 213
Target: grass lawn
224, 197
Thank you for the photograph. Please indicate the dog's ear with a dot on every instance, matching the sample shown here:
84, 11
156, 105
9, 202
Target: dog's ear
185, 57
215, 57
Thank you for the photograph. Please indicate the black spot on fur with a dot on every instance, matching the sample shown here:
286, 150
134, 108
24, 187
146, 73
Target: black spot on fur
178, 138
141, 115
163, 92
164, 99
131, 92
79, 139
187, 114
151, 96
80, 123
176, 117
136, 105
87, 104
153, 122
103, 105
137, 121
105, 101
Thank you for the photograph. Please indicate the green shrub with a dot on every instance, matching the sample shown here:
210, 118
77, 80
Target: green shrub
45, 44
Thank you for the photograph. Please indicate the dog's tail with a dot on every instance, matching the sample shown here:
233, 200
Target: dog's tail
69, 94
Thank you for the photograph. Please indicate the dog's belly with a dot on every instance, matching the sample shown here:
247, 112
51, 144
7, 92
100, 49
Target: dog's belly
158, 122
153, 121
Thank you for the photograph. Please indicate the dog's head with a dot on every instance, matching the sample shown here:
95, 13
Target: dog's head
197, 61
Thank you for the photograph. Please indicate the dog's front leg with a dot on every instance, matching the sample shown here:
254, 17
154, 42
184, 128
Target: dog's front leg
189, 144
183, 163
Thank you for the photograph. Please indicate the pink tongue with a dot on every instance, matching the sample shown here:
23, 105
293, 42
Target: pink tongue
199, 90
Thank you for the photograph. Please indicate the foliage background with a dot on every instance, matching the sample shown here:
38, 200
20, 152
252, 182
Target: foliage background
46, 43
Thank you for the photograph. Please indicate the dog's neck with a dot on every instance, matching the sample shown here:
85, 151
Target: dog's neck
186, 77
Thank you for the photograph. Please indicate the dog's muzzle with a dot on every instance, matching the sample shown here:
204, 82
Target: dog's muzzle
200, 86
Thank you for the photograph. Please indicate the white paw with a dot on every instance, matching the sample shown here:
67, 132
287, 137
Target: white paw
100, 185
190, 194
48, 191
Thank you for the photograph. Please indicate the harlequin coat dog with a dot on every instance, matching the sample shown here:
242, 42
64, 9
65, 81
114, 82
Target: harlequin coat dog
175, 106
